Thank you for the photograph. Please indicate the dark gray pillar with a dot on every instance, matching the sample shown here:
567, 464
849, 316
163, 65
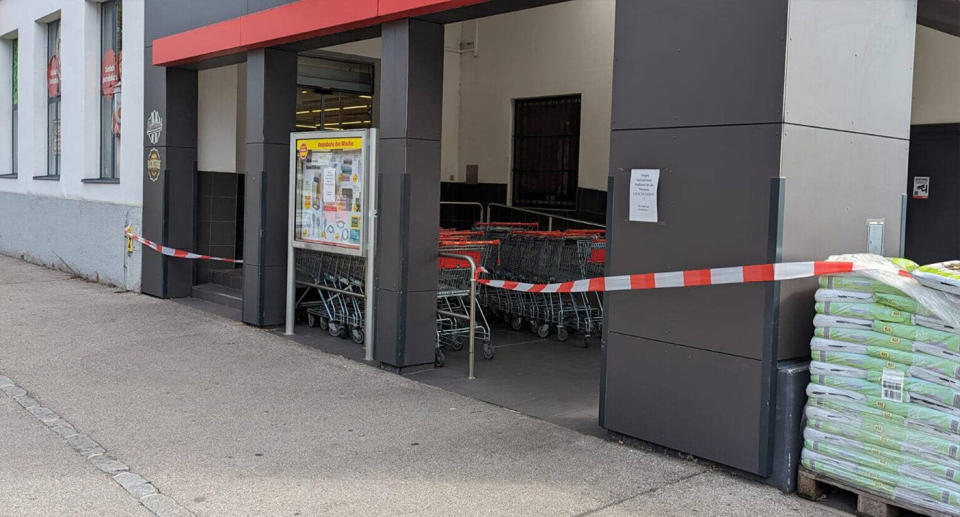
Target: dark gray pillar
410, 118
754, 133
697, 93
169, 199
271, 117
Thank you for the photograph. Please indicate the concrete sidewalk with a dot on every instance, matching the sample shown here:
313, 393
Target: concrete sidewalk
225, 419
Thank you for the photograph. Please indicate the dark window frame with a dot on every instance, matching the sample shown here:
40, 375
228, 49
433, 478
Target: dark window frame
54, 112
109, 142
546, 146
14, 102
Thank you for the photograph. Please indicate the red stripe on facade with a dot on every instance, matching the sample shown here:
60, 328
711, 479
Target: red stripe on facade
644, 281
697, 277
830, 268
761, 273
294, 21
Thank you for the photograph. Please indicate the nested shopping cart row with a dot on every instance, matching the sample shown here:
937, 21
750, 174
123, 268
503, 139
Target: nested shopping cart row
339, 282
539, 257
461, 254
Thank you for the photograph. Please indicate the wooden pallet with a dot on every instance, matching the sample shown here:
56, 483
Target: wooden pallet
812, 485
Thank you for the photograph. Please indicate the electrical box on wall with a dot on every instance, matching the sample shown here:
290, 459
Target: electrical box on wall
875, 236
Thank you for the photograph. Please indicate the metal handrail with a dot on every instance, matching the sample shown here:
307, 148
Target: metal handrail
465, 203
550, 217
473, 306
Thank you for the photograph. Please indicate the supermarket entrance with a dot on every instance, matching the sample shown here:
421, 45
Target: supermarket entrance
520, 152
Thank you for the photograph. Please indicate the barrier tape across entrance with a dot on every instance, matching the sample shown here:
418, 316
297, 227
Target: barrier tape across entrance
173, 252
691, 278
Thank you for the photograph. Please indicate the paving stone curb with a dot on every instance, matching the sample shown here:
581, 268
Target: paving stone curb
142, 490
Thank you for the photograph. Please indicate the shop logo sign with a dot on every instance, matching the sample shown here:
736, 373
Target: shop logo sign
154, 164
154, 127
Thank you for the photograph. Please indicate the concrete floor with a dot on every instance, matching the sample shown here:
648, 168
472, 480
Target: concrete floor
225, 419
553, 381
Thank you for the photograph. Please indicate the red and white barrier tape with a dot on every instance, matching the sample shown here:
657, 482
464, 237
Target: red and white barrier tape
692, 278
172, 252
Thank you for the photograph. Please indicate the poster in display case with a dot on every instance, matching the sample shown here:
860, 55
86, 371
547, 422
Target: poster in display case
330, 189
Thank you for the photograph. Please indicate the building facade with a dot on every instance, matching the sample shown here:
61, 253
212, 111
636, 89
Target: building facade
780, 128
72, 135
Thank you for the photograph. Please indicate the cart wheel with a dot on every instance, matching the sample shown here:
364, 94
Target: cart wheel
543, 330
324, 323
586, 341
357, 335
516, 323
456, 344
345, 332
312, 320
439, 359
562, 333
534, 325
508, 319
487, 349
334, 329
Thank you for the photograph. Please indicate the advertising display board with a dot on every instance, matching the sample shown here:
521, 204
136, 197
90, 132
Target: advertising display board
330, 179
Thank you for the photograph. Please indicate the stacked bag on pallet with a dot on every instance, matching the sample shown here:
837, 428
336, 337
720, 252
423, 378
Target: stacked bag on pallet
883, 410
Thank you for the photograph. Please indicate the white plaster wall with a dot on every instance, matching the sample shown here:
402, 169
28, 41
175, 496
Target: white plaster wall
849, 65
559, 49
80, 114
218, 109
936, 77
67, 223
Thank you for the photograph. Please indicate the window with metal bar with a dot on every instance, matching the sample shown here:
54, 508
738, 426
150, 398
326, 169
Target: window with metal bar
53, 87
111, 51
546, 152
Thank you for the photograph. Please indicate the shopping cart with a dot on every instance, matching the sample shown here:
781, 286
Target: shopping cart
339, 284
454, 297
547, 257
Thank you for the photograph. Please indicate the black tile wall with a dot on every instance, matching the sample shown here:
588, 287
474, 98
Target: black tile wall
218, 221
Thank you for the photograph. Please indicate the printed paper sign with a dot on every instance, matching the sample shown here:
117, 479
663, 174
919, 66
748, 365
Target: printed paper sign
644, 184
330, 186
921, 187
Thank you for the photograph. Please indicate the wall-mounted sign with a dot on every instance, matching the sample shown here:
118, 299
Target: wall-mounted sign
330, 178
644, 186
154, 127
53, 77
921, 187
109, 73
154, 164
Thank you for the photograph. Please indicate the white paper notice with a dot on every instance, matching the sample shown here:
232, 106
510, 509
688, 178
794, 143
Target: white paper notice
330, 185
643, 195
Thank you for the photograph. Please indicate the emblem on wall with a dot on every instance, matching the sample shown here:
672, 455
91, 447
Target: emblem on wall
154, 127
154, 164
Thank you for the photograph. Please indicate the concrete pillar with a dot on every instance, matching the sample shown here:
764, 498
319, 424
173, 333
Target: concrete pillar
169, 194
270, 118
410, 119
780, 127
